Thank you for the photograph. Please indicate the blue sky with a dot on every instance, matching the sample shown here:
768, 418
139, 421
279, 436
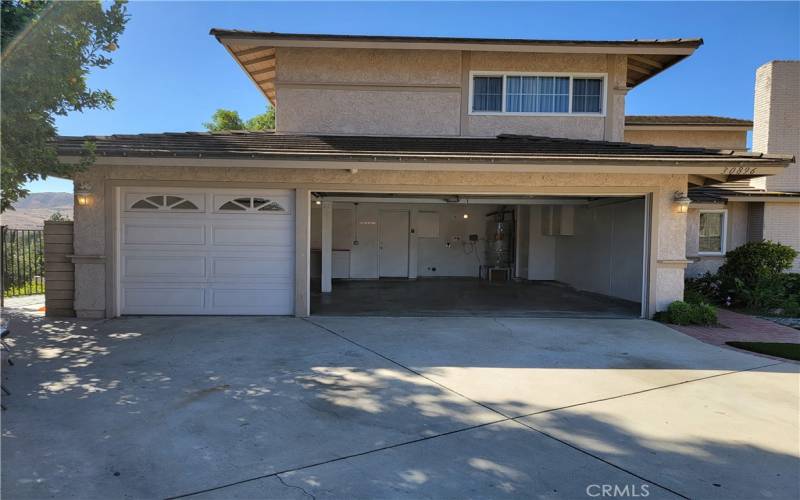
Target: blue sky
169, 74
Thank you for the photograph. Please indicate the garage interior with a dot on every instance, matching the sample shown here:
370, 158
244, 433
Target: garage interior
468, 255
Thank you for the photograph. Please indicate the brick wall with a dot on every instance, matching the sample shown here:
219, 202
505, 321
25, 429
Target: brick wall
59, 269
782, 225
776, 118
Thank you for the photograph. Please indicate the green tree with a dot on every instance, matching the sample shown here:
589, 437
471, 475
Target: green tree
48, 49
264, 121
226, 119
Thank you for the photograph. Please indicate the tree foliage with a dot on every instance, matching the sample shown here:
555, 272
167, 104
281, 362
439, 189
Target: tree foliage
226, 119
48, 49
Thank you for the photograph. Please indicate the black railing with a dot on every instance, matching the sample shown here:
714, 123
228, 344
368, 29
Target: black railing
21, 261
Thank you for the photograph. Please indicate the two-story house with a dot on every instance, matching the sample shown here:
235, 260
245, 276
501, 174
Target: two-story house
416, 174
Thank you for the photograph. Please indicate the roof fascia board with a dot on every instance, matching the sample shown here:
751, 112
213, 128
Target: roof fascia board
765, 197
711, 168
477, 47
709, 128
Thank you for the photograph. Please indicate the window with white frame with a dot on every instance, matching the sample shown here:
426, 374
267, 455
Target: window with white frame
587, 95
487, 93
712, 232
537, 94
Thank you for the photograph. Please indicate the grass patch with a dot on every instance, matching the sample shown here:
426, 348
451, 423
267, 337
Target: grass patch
781, 350
32, 288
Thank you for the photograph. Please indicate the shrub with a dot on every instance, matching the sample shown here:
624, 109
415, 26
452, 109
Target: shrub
683, 313
791, 282
691, 296
704, 314
766, 293
756, 261
679, 313
703, 288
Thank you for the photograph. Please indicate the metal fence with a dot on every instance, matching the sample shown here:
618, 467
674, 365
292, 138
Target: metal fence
21, 261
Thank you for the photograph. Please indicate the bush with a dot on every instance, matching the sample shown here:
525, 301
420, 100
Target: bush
704, 314
683, 313
704, 288
679, 313
755, 262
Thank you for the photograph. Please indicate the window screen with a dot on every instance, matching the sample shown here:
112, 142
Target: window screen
487, 93
586, 95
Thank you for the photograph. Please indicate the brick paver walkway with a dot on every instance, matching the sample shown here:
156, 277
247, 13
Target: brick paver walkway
741, 327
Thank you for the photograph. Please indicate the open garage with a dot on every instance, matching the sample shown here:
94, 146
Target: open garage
462, 255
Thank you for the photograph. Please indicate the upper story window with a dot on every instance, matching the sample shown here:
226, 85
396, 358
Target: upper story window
537, 94
487, 93
712, 232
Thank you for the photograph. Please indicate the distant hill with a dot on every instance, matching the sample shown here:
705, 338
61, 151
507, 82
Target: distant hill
31, 211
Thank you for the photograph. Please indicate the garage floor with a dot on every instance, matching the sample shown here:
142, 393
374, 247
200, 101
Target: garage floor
258, 407
466, 297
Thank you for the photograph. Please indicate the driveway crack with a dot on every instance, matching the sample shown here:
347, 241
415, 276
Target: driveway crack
296, 487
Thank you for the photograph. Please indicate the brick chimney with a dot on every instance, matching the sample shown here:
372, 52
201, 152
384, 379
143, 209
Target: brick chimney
776, 120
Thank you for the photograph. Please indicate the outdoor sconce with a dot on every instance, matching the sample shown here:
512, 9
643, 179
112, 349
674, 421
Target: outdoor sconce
83, 195
681, 202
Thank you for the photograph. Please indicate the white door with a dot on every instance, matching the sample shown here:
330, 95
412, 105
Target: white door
393, 244
190, 251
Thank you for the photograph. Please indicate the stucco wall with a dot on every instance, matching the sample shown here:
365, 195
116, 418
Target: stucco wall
776, 122
714, 139
735, 232
370, 112
91, 223
782, 224
425, 92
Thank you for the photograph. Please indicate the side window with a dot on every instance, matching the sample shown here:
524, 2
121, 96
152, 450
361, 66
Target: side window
712, 233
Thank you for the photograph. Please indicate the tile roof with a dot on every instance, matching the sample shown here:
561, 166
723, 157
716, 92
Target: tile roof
501, 149
271, 35
686, 120
719, 193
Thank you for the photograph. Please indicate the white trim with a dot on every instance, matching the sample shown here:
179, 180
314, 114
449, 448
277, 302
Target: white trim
505, 74
723, 231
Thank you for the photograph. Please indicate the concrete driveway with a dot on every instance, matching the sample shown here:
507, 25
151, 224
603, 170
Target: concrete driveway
392, 408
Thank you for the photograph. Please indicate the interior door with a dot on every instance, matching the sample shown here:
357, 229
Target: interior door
393, 244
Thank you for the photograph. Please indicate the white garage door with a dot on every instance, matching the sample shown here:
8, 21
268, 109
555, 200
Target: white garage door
206, 251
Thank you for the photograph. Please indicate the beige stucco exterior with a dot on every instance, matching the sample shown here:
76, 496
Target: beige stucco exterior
426, 93
735, 235
95, 225
698, 137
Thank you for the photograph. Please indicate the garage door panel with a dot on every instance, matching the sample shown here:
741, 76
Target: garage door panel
250, 301
146, 266
251, 267
262, 235
163, 234
154, 298
178, 260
